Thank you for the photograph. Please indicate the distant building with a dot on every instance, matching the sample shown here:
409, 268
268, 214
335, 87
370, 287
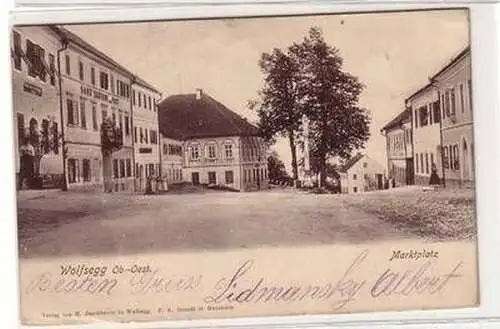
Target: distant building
455, 90
361, 174
426, 118
146, 135
399, 149
203, 142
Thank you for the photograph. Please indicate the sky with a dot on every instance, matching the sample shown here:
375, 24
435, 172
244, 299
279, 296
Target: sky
393, 54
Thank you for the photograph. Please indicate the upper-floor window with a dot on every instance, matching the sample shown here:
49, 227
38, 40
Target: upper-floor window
365, 165
228, 151
469, 87
416, 118
92, 75
145, 101
104, 80
127, 126
423, 116
195, 152
139, 98
112, 83
211, 151
52, 68
436, 112
354, 176
17, 50
462, 103
153, 137
68, 64
133, 97
72, 111
453, 101
36, 58
80, 70
149, 102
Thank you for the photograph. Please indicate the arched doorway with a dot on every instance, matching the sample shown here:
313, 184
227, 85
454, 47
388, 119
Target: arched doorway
465, 160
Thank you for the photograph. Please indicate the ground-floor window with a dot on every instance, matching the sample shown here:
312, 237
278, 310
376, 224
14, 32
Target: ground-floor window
122, 168
212, 178
229, 177
129, 168
115, 168
86, 170
73, 170
355, 189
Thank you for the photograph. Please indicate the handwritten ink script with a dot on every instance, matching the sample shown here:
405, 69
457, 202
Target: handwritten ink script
247, 284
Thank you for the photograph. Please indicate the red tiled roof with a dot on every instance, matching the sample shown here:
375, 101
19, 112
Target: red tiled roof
184, 116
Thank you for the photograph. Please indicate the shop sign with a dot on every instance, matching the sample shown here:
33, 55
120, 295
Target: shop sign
32, 89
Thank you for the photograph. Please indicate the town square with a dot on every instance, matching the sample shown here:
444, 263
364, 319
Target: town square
311, 152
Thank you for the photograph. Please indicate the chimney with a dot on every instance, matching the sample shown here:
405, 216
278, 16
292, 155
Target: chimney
199, 92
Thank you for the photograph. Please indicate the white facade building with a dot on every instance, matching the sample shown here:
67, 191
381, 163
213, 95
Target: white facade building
361, 174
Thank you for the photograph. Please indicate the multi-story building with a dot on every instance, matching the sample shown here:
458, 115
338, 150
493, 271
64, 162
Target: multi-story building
218, 147
94, 87
399, 148
426, 118
455, 90
361, 174
37, 116
146, 136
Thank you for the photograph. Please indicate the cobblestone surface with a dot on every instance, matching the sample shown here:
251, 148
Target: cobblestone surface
441, 214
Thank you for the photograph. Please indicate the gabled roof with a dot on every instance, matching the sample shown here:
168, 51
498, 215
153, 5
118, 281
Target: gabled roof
184, 116
351, 162
464, 52
68, 36
398, 120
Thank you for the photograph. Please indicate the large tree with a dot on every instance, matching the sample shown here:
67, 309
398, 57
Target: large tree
330, 96
278, 108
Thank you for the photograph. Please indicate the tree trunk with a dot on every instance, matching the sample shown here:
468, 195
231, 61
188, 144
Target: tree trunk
322, 170
293, 150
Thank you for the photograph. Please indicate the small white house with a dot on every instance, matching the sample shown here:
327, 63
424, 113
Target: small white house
360, 174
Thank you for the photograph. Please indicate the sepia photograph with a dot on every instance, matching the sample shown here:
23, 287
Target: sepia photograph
227, 167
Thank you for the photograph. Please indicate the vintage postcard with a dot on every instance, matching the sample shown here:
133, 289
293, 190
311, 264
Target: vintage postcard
221, 168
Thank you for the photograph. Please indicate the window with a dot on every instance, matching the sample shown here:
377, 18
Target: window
228, 150
127, 126
72, 110
94, 117
135, 134
73, 170
416, 118
354, 177
456, 163
83, 114
211, 151
55, 137
365, 176
195, 152
244, 176
229, 177
153, 137
80, 70
443, 106
92, 75
365, 164
426, 163
133, 97
145, 104
422, 163
122, 168
436, 112
432, 159
139, 98
129, 168
45, 142
86, 170
17, 50
469, 87
104, 81
416, 163
423, 116
20, 129
68, 64
149, 102
104, 111
52, 68
355, 189
154, 104
112, 83
146, 139
115, 168
462, 104
36, 58
141, 135
453, 101
446, 158
447, 103
120, 122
